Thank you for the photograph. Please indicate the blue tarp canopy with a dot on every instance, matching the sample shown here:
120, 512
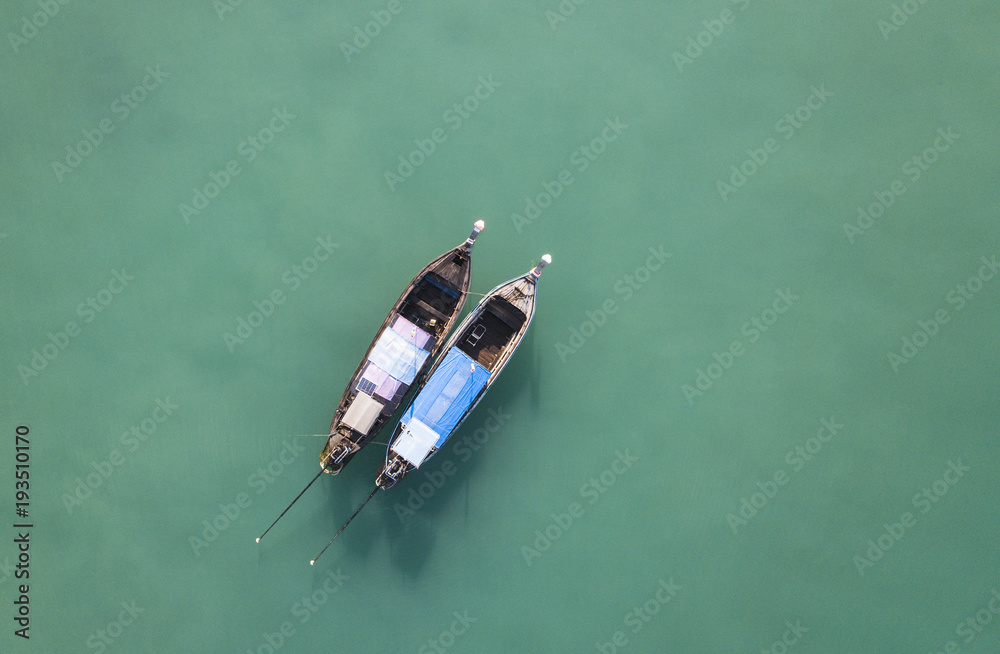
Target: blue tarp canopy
449, 392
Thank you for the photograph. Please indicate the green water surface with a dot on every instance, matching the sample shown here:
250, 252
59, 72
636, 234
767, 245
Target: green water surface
757, 401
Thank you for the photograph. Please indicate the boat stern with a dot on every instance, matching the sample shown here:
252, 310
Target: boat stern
394, 469
339, 449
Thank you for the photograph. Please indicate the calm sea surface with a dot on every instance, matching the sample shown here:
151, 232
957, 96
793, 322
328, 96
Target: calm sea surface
756, 410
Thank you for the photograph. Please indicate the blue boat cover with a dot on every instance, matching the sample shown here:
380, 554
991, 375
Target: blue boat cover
449, 392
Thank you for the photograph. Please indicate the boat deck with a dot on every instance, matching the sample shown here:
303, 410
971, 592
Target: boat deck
432, 299
485, 339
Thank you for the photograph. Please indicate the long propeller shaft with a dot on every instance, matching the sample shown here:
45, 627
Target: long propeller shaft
290, 505
354, 515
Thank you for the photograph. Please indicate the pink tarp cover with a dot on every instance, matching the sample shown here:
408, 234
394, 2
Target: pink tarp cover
405, 328
388, 353
385, 384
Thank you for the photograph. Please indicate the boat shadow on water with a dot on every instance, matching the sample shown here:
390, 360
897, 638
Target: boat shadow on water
345, 493
419, 508
417, 512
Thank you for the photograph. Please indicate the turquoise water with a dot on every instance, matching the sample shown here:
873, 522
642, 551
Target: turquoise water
757, 401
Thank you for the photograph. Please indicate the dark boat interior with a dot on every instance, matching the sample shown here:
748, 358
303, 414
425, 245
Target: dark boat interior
492, 331
433, 298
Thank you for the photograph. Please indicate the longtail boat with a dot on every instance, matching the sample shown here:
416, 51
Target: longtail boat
472, 359
403, 348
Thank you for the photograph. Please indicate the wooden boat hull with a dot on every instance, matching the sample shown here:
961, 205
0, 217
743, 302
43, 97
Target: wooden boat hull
399, 355
473, 358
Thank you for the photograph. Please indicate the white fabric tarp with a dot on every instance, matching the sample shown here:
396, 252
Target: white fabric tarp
362, 413
397, 356
416, 442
